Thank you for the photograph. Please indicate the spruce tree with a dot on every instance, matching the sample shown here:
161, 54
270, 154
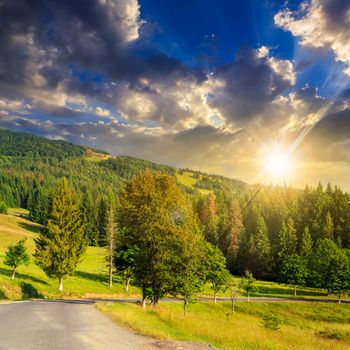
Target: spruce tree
236, 230
61, 244
111, 233
328, 227
306, 244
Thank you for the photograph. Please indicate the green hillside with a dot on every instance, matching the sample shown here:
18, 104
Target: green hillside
90, 279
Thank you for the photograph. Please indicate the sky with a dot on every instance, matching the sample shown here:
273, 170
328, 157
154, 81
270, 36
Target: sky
221, 86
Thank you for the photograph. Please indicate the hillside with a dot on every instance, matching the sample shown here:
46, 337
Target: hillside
89, 279
29, 162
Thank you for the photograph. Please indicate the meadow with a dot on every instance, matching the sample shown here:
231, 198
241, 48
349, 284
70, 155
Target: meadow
90, 279
303, 326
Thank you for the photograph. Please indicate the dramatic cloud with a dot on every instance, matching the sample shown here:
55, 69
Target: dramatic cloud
248, 85
84, 71
321, 24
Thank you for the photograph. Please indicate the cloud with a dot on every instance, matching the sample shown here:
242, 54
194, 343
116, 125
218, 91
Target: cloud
102, 112
321, 24
248, 85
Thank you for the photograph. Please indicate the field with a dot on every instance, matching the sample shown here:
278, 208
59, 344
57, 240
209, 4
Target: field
304, 326
89, 280
186, 178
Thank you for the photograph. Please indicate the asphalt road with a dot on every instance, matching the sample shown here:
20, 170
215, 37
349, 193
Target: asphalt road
58, 325
77, 324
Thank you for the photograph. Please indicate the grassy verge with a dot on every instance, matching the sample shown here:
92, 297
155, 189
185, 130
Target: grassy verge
313, 326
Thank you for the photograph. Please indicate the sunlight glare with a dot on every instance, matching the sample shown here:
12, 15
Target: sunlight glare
278, 165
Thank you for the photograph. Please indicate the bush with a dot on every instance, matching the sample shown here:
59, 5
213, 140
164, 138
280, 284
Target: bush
334, 334
3, 207
271, 321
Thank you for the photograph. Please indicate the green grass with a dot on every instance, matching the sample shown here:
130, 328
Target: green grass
273, 289
94, 156
88, 281
187, 179
314, 326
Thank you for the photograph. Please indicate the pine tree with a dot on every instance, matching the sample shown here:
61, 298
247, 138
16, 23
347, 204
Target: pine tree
102, 222
111, 233
328, 227
60, 246
236, 229
306, 244
262, 248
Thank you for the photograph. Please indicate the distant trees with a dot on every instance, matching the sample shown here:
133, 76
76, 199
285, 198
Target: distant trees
16, 255
62, 243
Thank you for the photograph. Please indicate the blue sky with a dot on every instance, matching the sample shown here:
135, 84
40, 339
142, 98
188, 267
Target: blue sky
212, 85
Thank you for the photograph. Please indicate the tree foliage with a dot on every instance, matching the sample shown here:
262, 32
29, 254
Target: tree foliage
61, 244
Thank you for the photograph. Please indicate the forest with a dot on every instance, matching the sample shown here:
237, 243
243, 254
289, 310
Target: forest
300, 237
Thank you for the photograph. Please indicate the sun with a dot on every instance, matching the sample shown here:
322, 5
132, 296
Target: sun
278, 165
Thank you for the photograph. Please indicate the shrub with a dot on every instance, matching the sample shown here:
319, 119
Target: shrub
334, 334
271, 321
3, 207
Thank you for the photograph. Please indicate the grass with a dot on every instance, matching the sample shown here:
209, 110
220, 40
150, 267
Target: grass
279, 290
187, 178
88, 281
303, 326
95, 156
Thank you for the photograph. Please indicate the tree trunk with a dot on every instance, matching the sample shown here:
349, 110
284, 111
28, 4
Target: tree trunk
13, 273
339, 298
295, 290
233, 305
185, 305
143, 301
60, 286
110, 272
110, 258
127, 283
215, 297
248, 299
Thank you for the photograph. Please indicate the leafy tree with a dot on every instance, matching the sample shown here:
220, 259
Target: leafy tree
60, 246
16, 255
161, 226
248, 284
217, 274
294, 270
124, 260
235, 290
330, 267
